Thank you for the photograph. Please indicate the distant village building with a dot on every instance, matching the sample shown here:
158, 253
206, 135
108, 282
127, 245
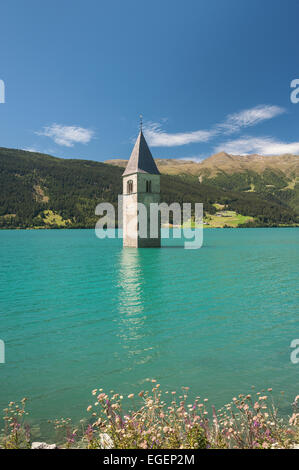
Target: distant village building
141, 184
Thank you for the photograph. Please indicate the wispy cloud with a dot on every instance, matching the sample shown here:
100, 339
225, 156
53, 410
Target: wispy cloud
36, 149
260, 145
31, 149
250, 117
158, 138
67, 135
233, 123
194, 158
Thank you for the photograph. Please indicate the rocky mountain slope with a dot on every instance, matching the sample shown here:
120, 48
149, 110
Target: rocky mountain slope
272, 177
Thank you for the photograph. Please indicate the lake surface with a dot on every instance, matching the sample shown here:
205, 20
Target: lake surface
79, 313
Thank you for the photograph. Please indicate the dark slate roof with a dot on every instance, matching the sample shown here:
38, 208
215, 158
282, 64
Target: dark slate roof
141, 159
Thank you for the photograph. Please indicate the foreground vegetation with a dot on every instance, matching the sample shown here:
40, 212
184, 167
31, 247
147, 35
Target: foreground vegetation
165, 420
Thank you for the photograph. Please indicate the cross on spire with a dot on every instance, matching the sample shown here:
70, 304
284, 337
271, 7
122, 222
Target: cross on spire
141, 122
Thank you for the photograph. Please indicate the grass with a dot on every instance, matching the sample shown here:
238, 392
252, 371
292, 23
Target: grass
252, 188
226, 218
223, 218
291, 184
165, 420
51, 218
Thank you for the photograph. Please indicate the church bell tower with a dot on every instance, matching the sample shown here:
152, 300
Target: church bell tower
141, 184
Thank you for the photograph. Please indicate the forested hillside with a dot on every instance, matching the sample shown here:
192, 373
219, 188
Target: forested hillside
38, 190
271, 178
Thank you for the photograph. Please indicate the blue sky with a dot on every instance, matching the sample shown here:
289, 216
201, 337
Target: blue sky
207, 75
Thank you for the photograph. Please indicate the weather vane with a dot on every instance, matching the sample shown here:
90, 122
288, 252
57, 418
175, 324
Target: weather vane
140, 122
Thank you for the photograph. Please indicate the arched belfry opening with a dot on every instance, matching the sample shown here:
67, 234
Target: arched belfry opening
141, 184
148, 186
129, 187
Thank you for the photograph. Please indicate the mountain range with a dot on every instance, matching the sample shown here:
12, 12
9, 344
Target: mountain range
42, 191
274, 177
287, 164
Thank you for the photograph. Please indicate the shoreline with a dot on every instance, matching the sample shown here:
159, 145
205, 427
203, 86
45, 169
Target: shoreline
170, 227
145, 421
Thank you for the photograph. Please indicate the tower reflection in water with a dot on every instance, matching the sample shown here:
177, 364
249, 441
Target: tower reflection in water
134, 326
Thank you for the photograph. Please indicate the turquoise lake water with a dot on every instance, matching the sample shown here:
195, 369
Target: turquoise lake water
79, 313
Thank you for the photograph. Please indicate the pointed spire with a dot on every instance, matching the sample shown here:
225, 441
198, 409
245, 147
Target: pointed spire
141, 159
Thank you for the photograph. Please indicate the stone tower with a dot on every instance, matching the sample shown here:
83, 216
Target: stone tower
141, 183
